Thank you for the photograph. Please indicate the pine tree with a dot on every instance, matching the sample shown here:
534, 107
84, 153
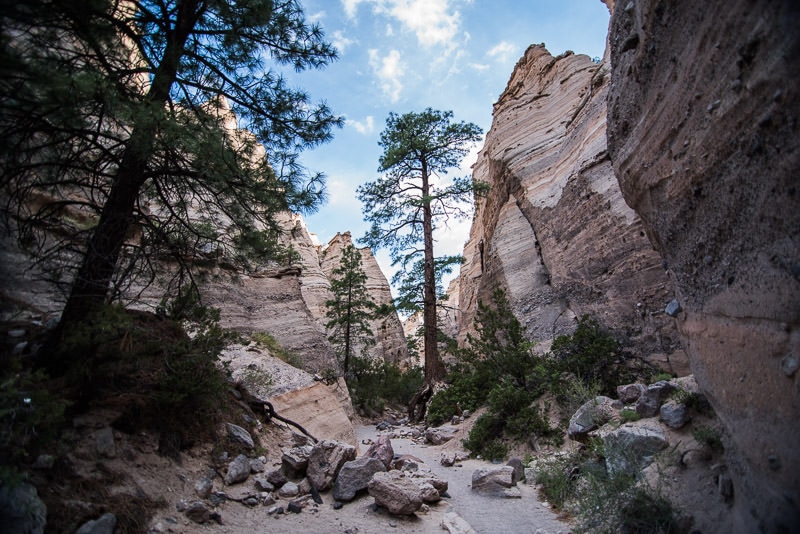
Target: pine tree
350, 309
406, 204
125, 113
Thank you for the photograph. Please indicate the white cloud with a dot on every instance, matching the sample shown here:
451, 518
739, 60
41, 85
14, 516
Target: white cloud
433, 21
501, 51
480, 67
366, 127
351, 6
389, 70
316, 17
389, 30
340, 41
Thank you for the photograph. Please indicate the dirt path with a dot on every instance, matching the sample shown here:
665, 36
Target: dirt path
484, 514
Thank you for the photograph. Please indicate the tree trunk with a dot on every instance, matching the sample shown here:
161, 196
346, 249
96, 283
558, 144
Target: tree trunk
91, 286
434, 369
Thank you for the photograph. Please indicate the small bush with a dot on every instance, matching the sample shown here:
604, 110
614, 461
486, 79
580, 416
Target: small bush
661, 376
468, 389
628, 416
557, 478
275, 349
256, 377
31, 413
591, 354
484, 433
373, 383
708, 436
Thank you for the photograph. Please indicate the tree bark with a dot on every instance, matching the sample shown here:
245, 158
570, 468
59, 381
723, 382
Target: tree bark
434, 369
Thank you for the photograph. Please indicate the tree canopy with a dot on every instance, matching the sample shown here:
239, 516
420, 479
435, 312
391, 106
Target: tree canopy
411, 199
119, 130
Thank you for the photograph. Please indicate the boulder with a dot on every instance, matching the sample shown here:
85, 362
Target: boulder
203, 486
396, 492
257, 465
439, 484
674, 414
631, 447
21, 509
354, 477
199, 512
326, 459
238, 470
649, 401
294, 462
630, 392
289, 490
437, 436
493, 481
592, 415
382, 450
240, 435
455, 524
276, 478
449, 458
406, 462
104, 442
428, 493
519, 469
105, 524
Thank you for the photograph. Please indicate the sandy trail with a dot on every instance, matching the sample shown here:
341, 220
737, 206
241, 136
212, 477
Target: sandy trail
485, 514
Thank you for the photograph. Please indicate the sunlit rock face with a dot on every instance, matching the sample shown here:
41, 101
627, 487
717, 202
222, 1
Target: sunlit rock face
390, 344
704, 134
555, 232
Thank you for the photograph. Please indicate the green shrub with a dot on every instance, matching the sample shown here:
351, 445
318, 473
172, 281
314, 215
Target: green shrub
468, 390
31, 413
661, 376
557, 478
608, 504
486, 430
275, 349
530, 421
628, 416
708, 436
373, 383
591, 354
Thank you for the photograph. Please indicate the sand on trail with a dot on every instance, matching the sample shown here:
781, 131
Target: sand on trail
486, 515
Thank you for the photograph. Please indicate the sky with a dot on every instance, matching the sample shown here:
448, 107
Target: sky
407, 55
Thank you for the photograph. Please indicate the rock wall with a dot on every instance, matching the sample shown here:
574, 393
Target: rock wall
289, 303
704, 133
555, 231
390, 343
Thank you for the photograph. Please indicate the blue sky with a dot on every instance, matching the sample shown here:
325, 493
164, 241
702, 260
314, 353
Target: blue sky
407, 55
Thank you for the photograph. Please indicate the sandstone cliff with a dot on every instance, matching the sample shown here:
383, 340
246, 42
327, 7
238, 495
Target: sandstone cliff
555, 232
704, 120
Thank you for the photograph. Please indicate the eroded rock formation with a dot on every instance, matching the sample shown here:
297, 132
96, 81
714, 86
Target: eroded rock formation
704, 113
555, 232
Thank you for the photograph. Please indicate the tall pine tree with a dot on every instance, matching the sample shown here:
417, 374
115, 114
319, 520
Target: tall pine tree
408, 202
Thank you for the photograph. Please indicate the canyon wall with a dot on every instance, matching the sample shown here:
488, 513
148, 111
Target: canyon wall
289, 303
704, 134
555, 232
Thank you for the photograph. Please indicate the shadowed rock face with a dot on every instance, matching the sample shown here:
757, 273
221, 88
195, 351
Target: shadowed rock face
704, 134
555, 232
